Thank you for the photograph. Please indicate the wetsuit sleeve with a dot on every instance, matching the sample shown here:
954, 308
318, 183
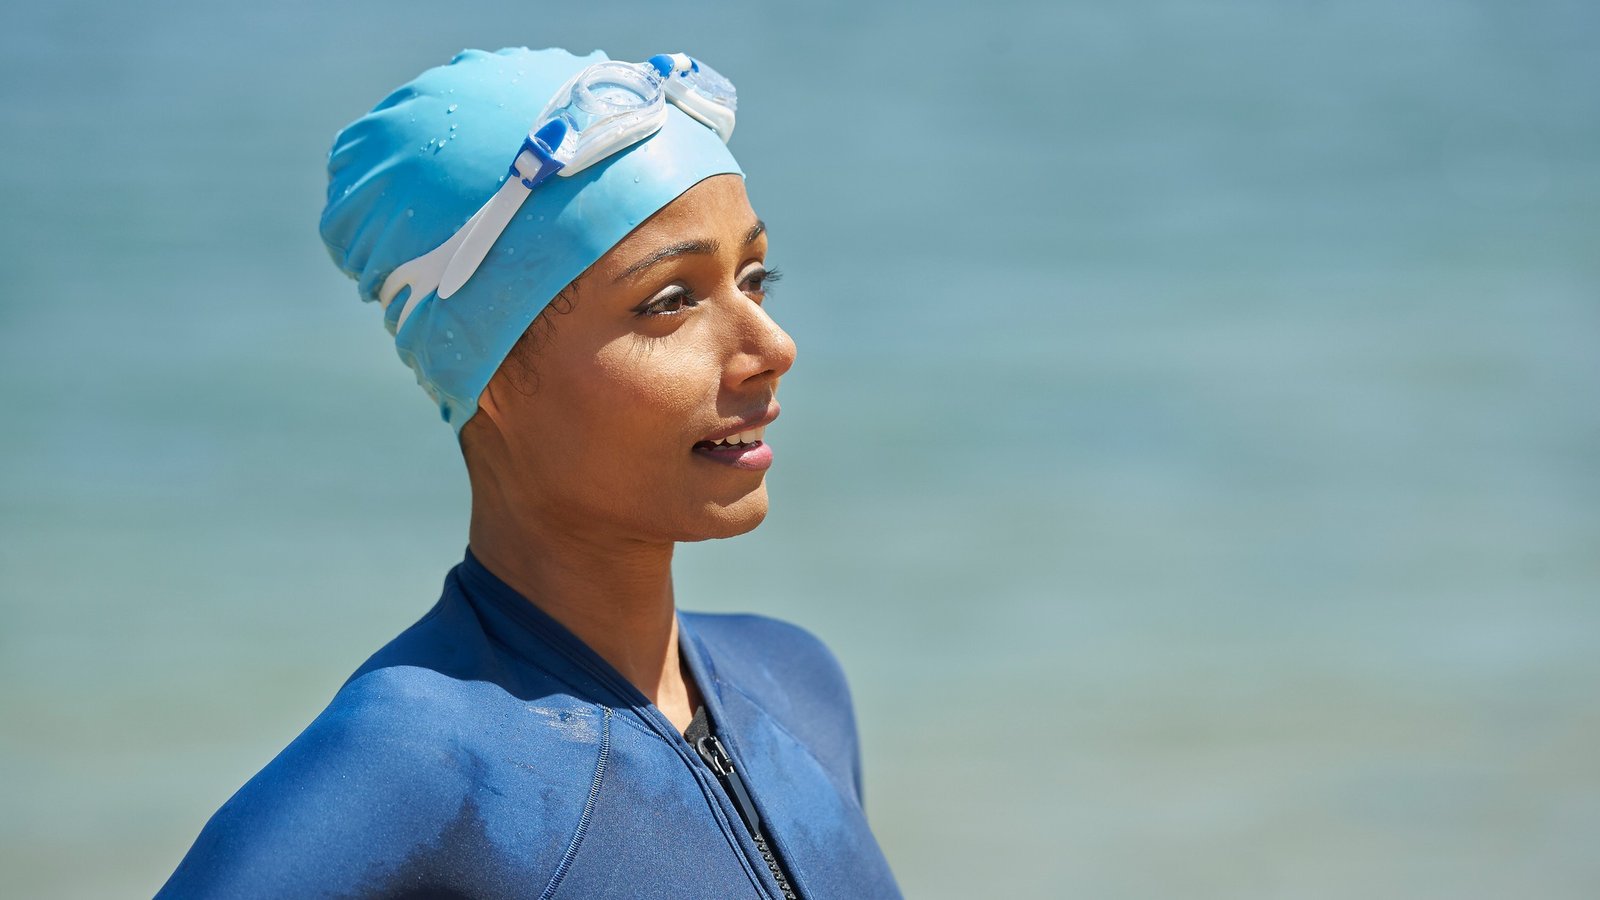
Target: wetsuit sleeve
351, 805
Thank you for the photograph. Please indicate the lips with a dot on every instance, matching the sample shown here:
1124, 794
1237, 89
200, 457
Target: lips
755, 457
740, 444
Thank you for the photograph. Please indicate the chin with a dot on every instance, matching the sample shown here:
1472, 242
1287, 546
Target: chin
736, 518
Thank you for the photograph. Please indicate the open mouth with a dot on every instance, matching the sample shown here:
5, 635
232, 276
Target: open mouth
742, 449
744, 440
745, 450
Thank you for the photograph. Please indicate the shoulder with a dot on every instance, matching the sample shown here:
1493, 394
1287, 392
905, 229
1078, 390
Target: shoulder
790, 674
406, 766
760, 654
358, 791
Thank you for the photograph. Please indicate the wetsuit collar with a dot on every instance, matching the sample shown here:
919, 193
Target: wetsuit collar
532, 633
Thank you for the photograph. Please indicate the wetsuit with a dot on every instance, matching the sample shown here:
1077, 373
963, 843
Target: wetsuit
487, 752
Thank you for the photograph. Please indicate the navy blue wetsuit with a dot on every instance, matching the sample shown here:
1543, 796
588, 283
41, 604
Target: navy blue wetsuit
486, 752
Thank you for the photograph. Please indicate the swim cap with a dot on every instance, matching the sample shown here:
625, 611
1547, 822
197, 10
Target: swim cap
407, 175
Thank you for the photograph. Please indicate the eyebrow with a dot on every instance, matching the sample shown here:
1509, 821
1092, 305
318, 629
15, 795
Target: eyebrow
680, 249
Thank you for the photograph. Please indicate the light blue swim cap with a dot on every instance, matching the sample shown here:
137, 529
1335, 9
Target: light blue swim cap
404, 177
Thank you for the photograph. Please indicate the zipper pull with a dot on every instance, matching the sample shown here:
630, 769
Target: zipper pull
721, 763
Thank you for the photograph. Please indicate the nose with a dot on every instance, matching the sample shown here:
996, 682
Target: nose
763, 351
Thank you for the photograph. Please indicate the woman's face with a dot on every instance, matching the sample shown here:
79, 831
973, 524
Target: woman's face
667, 344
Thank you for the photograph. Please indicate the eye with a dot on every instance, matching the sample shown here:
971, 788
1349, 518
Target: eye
670, 302
759, 280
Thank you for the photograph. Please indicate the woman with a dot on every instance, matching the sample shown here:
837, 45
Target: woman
553, 727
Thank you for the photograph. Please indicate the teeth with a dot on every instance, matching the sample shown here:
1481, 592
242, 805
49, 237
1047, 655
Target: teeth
743, 437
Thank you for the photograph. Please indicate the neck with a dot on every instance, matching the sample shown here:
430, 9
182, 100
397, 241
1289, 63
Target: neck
614, 593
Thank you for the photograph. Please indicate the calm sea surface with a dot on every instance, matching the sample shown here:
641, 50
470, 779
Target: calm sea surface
1193, 454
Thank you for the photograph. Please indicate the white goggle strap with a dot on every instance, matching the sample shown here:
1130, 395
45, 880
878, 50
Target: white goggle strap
422, 274
532, 166
445, 268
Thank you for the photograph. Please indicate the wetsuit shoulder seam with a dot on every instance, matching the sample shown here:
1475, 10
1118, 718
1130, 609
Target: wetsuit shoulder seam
588, 811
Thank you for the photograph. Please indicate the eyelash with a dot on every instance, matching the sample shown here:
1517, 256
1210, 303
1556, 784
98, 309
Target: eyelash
767, 277
686, 299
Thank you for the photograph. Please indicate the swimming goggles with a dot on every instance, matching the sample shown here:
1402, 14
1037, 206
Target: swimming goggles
605, 108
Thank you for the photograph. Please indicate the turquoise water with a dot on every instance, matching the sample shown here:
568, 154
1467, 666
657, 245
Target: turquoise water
1193, 453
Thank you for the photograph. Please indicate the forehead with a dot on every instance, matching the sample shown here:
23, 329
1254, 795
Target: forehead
714, 209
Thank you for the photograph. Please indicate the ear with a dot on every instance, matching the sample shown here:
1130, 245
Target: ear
487, 425
492, 407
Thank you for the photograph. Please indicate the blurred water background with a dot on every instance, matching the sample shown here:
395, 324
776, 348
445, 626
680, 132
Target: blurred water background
1193, 453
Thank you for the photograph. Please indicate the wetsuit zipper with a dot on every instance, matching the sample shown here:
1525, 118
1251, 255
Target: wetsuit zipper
711, 750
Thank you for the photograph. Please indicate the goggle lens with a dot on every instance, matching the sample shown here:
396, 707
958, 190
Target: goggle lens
612, 88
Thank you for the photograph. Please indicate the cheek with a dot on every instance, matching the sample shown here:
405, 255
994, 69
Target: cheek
633, 402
